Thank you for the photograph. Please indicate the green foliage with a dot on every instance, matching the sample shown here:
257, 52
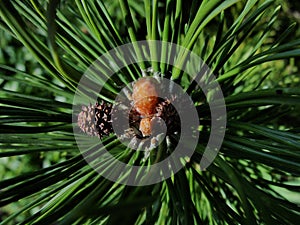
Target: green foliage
253, 180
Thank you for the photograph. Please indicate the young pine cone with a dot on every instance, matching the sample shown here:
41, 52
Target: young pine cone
95, 120
167, 112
